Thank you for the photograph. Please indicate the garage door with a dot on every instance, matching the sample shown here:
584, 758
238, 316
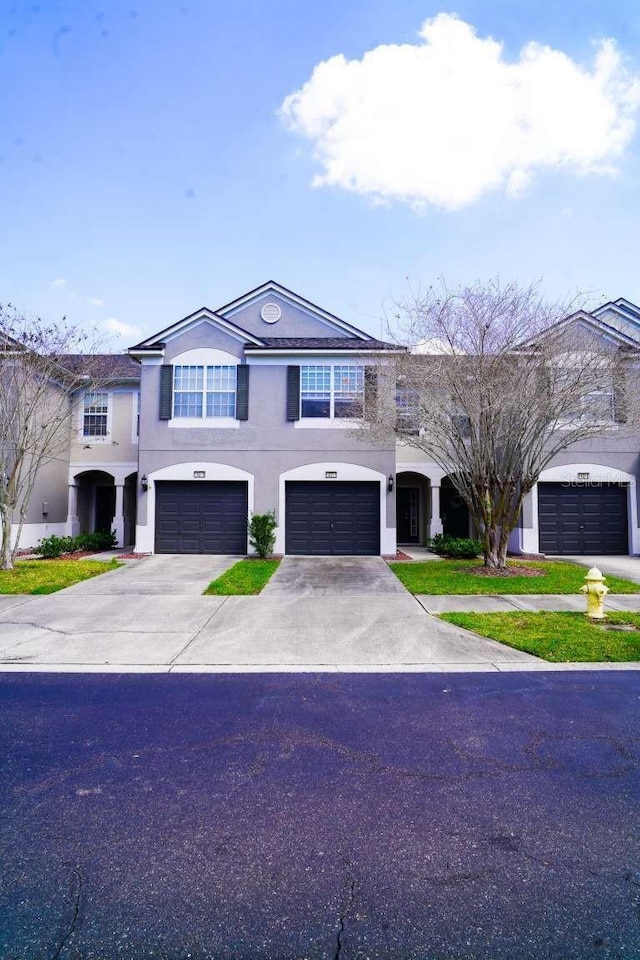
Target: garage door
333, 518
201, 517
583, 519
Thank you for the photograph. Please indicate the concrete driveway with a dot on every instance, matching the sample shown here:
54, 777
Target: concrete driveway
317, 614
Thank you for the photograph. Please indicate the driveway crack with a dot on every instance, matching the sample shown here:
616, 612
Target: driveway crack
197, 633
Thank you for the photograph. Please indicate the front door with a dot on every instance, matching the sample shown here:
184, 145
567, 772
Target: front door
407, 500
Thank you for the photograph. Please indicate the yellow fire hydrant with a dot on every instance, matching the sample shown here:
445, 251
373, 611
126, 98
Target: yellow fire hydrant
595, 591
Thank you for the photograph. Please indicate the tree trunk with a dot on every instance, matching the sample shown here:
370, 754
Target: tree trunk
6, 556
494, 548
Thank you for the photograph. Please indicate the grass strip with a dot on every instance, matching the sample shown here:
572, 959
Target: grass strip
438, 577
48, 576
245, 578
558, 637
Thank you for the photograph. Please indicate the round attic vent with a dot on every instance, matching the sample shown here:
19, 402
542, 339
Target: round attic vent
271, 313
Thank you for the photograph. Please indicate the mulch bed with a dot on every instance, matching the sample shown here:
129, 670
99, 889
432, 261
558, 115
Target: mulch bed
504, 572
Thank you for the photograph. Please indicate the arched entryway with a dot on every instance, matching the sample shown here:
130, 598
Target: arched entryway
98, 500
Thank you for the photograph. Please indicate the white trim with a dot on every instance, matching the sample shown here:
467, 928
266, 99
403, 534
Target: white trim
135, 409
119, 471
205, 357
326, 423
431, 471
203, 423
345, 471
145, 533
90, 440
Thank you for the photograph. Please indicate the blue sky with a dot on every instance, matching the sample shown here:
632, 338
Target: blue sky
148, 167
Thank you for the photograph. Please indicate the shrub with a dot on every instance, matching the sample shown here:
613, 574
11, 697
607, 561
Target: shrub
100, 540
54, 546
262, 535
459, 548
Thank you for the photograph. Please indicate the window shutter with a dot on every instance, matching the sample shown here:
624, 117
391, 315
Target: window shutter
619, 396
293, 393
370, 392
166, 391
242, 392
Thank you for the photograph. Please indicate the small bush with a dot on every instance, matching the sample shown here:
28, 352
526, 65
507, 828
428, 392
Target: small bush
54, 546
262, 535
460, 548
51, 547
100, 540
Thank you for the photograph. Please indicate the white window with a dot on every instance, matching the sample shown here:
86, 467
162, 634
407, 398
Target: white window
407, 410
332, 391
95, 414
203, 392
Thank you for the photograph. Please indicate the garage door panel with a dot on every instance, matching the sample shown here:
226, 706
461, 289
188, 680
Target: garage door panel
208, 517
583, 520
332, 518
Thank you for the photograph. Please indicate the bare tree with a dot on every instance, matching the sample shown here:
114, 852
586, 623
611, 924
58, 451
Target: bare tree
38, 390
497, 381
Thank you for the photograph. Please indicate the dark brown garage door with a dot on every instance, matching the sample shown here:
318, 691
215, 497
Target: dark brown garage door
332, 518
583, 519
201, 517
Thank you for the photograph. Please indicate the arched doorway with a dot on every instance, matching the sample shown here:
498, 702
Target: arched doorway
96, 501
454, 511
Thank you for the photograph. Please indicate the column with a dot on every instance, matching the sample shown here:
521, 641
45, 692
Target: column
436, 519
118, 519
73, 520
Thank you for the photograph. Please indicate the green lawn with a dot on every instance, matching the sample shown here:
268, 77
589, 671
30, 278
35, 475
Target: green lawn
452, 576
557, 637
244, 577
47, 576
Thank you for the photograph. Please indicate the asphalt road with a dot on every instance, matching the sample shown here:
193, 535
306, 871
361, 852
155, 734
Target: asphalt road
436, 817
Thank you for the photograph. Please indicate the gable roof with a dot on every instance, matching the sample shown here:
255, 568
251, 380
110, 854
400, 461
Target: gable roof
629, 337
204, 314
330, 319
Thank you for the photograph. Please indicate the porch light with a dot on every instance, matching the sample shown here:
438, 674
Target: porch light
144, 483
390, 483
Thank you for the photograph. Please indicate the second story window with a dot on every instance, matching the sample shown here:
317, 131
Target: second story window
331, 391
200, 391
95, 414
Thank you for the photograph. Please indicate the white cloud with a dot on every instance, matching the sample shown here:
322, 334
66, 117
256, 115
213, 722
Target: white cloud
447, 119
119, 328
95, 301
60, 282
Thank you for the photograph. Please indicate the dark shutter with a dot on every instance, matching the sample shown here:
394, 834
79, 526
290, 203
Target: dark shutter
619, 396
370, 392
293, 393
166, 391
242, 392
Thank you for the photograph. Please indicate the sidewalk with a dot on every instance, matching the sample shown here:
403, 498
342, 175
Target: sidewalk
505, 602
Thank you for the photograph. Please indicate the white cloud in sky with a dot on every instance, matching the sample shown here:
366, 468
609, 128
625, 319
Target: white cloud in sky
447, 119
95, 301
60, 282
119, 328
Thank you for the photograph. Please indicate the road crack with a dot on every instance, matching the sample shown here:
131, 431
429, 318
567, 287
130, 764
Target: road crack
342, 917
76, 896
